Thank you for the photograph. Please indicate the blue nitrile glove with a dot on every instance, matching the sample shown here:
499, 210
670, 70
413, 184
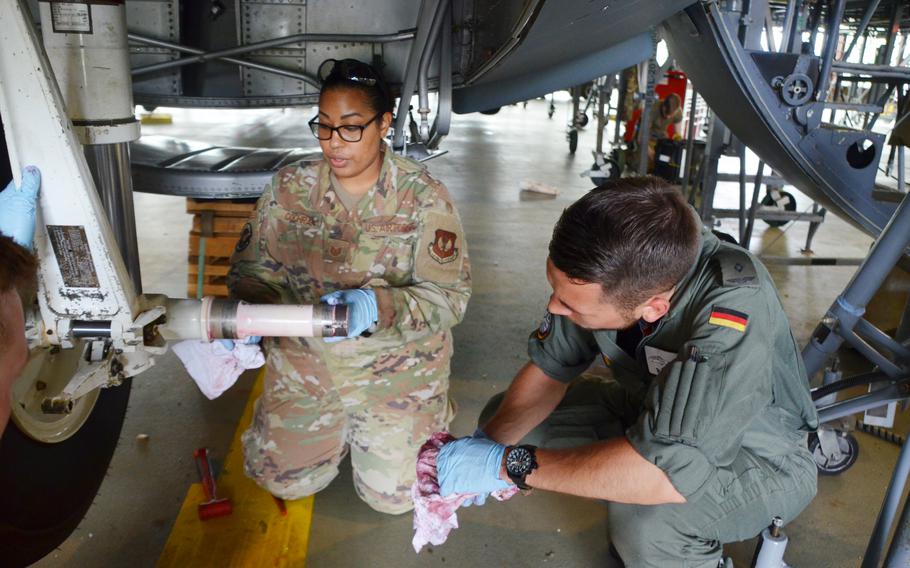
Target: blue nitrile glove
362, 310
470, 465
229, 343
17, 207
481, 498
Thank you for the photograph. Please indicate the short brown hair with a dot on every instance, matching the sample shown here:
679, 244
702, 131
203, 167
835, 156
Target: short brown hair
636, 237
18, 271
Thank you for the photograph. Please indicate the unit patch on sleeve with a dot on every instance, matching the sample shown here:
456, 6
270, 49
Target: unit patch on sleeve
729, 318
546, 326
443, 249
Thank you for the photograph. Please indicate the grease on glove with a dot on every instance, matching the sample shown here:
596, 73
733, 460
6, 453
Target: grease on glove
214, 367
434, 515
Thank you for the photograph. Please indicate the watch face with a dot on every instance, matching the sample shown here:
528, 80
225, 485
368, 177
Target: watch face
519, 462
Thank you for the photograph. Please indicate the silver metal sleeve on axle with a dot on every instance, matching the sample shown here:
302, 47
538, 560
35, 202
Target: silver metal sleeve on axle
214, 318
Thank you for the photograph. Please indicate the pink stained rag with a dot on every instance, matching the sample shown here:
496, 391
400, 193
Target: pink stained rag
434, 515
215, 368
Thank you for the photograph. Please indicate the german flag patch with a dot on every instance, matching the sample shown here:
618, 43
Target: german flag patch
729, 318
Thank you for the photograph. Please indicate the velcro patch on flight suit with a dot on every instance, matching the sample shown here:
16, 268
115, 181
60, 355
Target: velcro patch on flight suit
440, 251
736, 267
726, 317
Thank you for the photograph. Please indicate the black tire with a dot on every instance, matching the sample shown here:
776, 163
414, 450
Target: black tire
849, 448
49, 487
573, 141
581, 120
490, 111
789, 205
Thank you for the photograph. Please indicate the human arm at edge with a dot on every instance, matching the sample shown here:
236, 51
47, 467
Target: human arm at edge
610, 469
530, 398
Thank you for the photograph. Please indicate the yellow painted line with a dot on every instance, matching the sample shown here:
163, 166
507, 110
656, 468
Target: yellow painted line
156, 118
254, 535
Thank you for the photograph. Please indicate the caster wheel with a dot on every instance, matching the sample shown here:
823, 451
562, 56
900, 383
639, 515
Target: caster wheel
610, 170
849, 451
581, 120
786, 202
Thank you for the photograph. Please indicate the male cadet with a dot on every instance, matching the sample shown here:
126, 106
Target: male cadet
701, 438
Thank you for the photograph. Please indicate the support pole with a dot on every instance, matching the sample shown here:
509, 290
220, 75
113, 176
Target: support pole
423, 73
644, 123
851, 304
753, 206
742, 195
886, 515
832, 34
425, 18
790, 20
690, 143
110, 166
863, 24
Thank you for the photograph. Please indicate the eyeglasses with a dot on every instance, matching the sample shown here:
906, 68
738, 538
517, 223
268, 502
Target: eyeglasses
350, 69
347, 132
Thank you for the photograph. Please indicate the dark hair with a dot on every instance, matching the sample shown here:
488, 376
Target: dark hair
357, 75
636, 237
18, 269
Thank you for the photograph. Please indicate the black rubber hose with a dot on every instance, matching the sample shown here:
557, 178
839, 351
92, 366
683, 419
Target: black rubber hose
858, 380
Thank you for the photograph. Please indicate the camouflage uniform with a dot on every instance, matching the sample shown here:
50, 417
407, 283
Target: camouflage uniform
383, 395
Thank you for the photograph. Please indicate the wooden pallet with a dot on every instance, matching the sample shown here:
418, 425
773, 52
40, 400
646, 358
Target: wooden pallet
217, 225
221, 207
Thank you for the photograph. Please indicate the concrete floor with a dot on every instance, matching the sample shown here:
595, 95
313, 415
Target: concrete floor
507, 232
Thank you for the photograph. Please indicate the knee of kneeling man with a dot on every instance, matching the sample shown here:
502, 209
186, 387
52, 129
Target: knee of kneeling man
633, 527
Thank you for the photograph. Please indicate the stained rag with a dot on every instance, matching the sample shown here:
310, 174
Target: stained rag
214, 367
434, 515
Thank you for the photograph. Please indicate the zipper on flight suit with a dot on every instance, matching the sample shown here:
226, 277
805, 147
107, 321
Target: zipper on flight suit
639, 359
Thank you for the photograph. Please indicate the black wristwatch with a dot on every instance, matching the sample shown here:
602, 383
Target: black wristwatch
520, 461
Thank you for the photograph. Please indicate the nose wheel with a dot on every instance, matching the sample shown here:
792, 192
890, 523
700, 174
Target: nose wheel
48, 371
52, 464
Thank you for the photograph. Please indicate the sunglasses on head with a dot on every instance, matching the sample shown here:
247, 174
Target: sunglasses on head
349, 69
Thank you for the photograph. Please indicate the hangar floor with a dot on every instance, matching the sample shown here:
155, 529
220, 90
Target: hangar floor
507, 231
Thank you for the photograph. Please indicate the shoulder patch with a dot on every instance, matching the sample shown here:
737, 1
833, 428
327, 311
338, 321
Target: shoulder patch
546, 326
736, 267
725, 317
441, 249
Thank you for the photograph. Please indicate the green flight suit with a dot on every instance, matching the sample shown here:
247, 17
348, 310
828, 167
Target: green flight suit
716, 396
